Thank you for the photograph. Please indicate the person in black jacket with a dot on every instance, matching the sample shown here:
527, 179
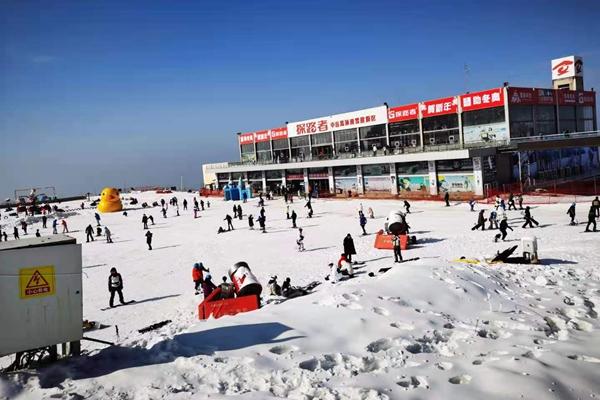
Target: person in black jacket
503, 227
294, 216
447, 199
591, 219
571, 213
251, 221
239, 212
115, 285
407, 206
149, 240
44, 220
480, 222
145, 221
89, 233
349, 248
229, 224
529, 219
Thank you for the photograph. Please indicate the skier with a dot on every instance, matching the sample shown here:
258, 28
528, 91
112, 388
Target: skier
300, 241
397, 249
108, 234
16, 233
371, 213
97, 217
596, 205
447, 199
591, 218
184, 204
503, 227
37, 233
529, 219
149, 240
229, 224
363, 221
480, 222
294, 216
115, 285
251, 221
511, 202
55, 226
89, 233
493, 220
571, 213
208, 286
197, 275
145, 221
349, 249
239, 212
407, 206
44, 220
64, 225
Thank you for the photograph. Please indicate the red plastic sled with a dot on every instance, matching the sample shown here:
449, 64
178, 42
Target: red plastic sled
218, 308
383, 241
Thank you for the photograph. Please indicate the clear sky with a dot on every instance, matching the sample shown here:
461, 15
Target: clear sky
124, 93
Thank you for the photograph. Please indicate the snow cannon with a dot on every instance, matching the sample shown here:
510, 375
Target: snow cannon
529, 246
393, 222
244, 281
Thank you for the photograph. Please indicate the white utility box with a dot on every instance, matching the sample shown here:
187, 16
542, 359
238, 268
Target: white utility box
40, 293
529, 247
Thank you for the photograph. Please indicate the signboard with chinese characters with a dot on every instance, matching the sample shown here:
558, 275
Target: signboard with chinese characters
567, 67
484, 99
403, 113
432, 108
354, 119
279, 133
247, 138
262, 136
571, 97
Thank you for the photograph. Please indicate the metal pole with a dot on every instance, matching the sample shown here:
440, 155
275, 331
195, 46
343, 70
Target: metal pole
520, 173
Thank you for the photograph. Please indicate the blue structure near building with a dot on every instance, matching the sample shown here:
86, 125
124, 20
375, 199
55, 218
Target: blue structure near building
237, 192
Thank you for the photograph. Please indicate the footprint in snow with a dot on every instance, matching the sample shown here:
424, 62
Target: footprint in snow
402, 325
282, 349
381, 311
350, 297
460, 379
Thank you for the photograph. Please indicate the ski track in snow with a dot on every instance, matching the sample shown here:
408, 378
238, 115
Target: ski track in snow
429, 328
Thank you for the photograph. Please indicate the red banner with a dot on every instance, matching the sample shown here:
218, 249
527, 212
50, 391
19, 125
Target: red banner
279, 133
247, 138
484, 99
528, 96
262, 136
403, 113
448, 105
571, 98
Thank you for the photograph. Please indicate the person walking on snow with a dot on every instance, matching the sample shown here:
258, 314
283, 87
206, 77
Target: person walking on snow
591, 219
511, 202
239, 212
251, 221
349, 249
310, 209
97, 216
287, 212
197, 276
145, 221
151, 219
596, 205
397, 248
363, 221
262, 222
184, 204
370, 213
149, 240
472, 204
407, 206
208, 286
493, 220
89, 233
37, 233
24, 227
164, 212
16, 233
229, 224
529, 219
503, 227
447, 199
54, 226
108, 234
44, 220
235, 211
571, 213
115, 285
64, 225
202, 204
520, 200
300, 241
480, 222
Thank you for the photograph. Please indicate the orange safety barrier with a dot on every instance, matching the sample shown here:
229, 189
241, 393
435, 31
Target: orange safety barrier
383, 241
219, 308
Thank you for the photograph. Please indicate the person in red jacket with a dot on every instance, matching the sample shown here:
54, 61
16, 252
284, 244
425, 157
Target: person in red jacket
198, 276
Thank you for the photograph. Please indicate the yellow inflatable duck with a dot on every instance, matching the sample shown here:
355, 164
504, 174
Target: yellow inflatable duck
110, 201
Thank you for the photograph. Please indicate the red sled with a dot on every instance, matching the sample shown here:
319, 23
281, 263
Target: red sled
383, 241
218, 308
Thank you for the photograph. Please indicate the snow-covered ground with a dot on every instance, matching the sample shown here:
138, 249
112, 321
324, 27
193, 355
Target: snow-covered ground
430, 328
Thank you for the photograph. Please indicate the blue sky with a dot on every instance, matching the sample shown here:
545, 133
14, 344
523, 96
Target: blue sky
103, 93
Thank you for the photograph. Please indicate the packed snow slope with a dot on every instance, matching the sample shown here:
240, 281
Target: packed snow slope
426, 329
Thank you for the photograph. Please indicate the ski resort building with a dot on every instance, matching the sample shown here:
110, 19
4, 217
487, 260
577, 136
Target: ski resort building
468, 144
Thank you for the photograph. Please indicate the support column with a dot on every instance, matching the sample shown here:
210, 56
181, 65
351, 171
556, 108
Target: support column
264, 181
393, 179
433, 186
421, 127
360, 185
305, 170
229, 178
331, 180
283, 180
478, 174
460, 128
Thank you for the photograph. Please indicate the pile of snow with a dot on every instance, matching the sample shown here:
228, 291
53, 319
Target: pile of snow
430, 328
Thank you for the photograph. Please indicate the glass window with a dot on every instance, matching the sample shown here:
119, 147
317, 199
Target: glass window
566, 112
585, 112
263, 146
465, 164
412, 168
346, 149
235, 176
248, 148
521, 113
444, 137
321, 139
276, 174
483, 117
222, 177
397, 143
376, 170
263, 155
448, 121
349, 170
280, 144
248, 157
374, 131
254, 175
323, 152
281, 156
345, 135
400, 128
545, 120
373, 145
301, 153
299, 141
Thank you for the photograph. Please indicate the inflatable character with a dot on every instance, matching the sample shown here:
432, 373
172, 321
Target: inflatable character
110, 201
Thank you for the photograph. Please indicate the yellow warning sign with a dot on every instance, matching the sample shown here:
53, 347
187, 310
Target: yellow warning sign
36, 281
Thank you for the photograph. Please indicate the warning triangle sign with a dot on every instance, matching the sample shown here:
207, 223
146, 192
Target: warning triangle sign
37, 280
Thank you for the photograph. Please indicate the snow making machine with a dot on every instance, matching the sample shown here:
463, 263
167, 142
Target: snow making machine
395, 224
245, 296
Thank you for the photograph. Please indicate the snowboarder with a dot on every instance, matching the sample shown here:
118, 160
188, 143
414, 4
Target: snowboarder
397, 248
89, 233
37, 233
16, 233
363, 221
97, 217
591, 218
300, 241
251, 221
447, 199
64, 225
493, 220
407, 206
503, 227
229, 224
349, 249
294, 216
208, 286
108, 234
571, 213
184, 204
480, 222
44, 220
371, 213
529, 219
149, 240
115, 285
145, 221
197, 275
596, 205
55, 226
511, 202
239, 212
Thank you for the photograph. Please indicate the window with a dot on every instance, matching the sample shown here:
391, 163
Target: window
545, 120
521, 121
247, 148
405, 127
263, 156
254, 175
280, 144
346, 149
461, 165
273, 174
263, 146
567, 121
321, 139
412, 168
585, 118
376, 170
374, 131
349, 170
442, 122
483, 117
345, 135
299, 141
373, 146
